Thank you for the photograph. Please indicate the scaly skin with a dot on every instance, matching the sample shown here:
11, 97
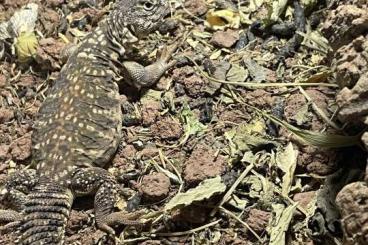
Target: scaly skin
78, 128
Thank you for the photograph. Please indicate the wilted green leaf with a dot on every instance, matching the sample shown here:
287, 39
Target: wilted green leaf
255, 4
215, 55
315, 40
204, 190
315, 138
309, 4
24, 20
286, 161
254, 184
257, 72
280, 223
26, 46
302, 116
151, 95
247, 137
236, 74
201, 34
238, 203
191, 123
222, 18
278, 8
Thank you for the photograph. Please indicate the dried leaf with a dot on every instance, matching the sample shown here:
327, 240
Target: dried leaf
23, 20
21, 27
238, 203
247, 137
315, 40
151, 95
222, 18
26, 46
215, 55
204, 190
302, 116
257, 72
255, 186
191, 123
280, 223
236, 74
278, 8
286, 161
315, 138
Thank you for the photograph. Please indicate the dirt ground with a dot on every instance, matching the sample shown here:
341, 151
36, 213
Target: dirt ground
272, 96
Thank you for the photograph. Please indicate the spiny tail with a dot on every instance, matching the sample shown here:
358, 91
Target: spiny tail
45, 215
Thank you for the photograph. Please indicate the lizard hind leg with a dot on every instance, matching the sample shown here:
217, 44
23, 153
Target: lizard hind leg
14, 195
100, 182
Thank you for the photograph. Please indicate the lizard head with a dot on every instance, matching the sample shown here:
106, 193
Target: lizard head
142, 16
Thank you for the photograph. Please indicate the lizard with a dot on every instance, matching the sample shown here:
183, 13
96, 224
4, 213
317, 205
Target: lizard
78, 128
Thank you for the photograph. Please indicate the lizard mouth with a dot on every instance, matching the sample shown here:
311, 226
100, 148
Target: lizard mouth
167, 12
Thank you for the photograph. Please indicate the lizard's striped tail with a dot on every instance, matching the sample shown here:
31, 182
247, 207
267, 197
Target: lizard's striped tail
45, 215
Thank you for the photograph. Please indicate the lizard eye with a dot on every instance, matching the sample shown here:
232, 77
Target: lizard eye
148, 6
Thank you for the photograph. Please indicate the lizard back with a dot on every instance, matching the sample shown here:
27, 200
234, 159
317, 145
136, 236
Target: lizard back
79, 122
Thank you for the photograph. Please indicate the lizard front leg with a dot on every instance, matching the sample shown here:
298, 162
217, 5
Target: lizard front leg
144, 76
100, 182
14, 195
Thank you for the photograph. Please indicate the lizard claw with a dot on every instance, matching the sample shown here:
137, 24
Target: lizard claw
119, 218
9, 227
167, 52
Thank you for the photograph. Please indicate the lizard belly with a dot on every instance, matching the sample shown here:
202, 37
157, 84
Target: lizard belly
79, 125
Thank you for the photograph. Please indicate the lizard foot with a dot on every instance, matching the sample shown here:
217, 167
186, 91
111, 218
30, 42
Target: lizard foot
106, 223
166, 54
12, 218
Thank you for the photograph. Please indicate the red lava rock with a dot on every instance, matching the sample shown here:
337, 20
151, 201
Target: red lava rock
196, 7
344, 24
128, 151
20, 149
150, 112
155, 187
3, 81
88, 236
203, 164
350, 62
55, 3
194, 85
225, 39
26, 81
191, 214
76, 221
167, 129
4, 149
353, 102
148, 152
179, 73
352, 201
304, 198
6, 115
317, 161
259, 98
258, 220
49, 53
293, 105
124, 156
48, 21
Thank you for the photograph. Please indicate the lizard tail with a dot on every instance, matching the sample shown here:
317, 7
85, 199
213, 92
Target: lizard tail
45, 215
